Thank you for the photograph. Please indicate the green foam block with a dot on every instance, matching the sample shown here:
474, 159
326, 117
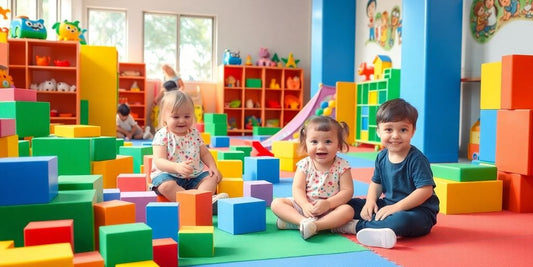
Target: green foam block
464, 172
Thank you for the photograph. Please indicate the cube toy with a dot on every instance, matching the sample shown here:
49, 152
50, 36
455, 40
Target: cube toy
33, 118
206, 137
261, 168
49, 232
131, 182
517, 192
232, 186
111, 194
195, 207
163, 218
288, 164
487, 135
74, 154
216, 129
215, 118
231, 154
24, 148
37, 175
196, 241
7, 244
287, 149
123, 243
50, 255
82, 182
230, 168
165, 252
120, 142
137, 152
149, 263
77, 131
141, 199
247, 150
8, 127
214, 153
491, 85
111, 213
463, 172
259, 189
110, 169
17, 94
9, 146
241, 215
516, 90
103, 148
257, 130
88, 259
219, 141
514, 145
468, 197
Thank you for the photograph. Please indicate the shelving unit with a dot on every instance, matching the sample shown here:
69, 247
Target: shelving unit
24, 70
262, 98
136, 99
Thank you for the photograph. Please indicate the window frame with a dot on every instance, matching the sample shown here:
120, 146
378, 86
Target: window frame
125, 11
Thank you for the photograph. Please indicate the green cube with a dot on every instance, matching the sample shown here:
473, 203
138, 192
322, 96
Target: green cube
196, 241
122, 243
120, 142
257, 130
103, 148
24, 148
33, 118
253, 83
215, 118
464, 172
73, 154
138, 153
84, 112
83, 182
216, 129
246, 149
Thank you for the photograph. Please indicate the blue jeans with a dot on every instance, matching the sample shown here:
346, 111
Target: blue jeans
409, 223
189, 183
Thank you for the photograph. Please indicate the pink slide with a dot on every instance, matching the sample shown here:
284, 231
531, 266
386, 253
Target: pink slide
308, 110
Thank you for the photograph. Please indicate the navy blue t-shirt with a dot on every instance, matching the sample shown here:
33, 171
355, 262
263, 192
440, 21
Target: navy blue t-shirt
398, 180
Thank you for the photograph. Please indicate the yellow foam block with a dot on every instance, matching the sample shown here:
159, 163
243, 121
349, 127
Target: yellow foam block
288, 164
53, 127
214, 153
127, 143
9, 146
491, 85
138, 264
286, 149
206, 137
468, 197
7, 244
345, 108
51, 255
77, 131
230, 168
110, 169
232, 186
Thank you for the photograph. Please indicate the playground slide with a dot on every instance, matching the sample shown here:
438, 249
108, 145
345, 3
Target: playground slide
308, 110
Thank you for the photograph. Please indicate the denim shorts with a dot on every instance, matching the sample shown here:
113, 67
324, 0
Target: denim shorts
191, 183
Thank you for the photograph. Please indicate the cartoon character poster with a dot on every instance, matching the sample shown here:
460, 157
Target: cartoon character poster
488, 16
384, 26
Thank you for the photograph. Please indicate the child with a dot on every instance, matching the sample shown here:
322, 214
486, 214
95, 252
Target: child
402, 173
127, 127
322, 183
172, 82
179, 153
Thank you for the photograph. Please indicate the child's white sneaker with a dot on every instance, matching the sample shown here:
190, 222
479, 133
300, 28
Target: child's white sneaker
283, 225
377, 237
347, 228
308, 227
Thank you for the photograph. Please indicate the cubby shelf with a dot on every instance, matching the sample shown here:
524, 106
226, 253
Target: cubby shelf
136, 100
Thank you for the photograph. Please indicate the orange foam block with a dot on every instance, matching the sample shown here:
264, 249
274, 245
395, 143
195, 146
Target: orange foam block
517, 192
7, 244
230, 168
111, 213
88, 259
51, 255
195, 207
110, 169
232, 186
514, 143
517, 88
165, 252
18, 94
131, 182
49, 232
9, 146
147, 167
468, 197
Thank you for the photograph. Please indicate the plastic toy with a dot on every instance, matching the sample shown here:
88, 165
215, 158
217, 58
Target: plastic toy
272, 104
264, 59
6, 81
50, 85
274, 84
365, 71
65, 87
248, 61
61, 63
230, 81
252, 121
232, 58
249, 103
293, 82
42, 61
275, 60
235, 103
22, 27
135, 87
290, 62
291, 102
4, 12
67, 31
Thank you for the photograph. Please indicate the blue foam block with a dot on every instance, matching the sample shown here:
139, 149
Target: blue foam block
261, 168
487, 135
242, 215
111, 194
28, 180
219, 141
163, 217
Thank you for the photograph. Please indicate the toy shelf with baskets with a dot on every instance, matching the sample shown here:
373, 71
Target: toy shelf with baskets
33, 62
248, 94
132, 89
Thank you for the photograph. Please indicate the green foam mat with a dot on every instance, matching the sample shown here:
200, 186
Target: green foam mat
364, 155
272, 244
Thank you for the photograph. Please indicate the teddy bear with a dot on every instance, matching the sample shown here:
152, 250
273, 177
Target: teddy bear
50, 85
64, 87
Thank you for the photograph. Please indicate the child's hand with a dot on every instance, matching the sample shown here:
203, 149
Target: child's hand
216, 174
385, 211
184, 168
320, 207
368, 210
308, 210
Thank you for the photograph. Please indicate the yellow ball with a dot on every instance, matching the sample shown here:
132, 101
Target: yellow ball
296, 135
327, 111
331, 103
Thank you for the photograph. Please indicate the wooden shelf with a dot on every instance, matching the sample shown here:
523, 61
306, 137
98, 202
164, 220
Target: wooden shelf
136, 100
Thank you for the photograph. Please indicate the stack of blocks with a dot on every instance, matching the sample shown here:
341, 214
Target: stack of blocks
288, 154
507, 127
9, 144
262, 133
467, 188
32, 117
232, 182
217, 127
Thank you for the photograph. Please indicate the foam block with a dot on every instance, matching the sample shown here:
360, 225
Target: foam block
232, 186
215, 118
214, 153
82, 182
259, 189
487, 135
286, 149
261, 168
77, 131
242, 215
517, 89
206, 137
147, 164
163, 218
37, 175
195, 207
230, 168
111, 213
103, 148
462, 172
131, 182
24, 148
49, 232
9, 146
491, 85
196, 241
468, 197
517, 192
216, 129
74, 154
141, 199
33, 118
8, 127
7, 244
138, 153
125, 243
18, 94
219, 141
111, 194
110, 169
51, 255
88, 259
514, 146
288, 164
165, 252
245, 149
257, 130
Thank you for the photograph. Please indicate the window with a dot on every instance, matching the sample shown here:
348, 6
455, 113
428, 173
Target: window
192, 51
108, 28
